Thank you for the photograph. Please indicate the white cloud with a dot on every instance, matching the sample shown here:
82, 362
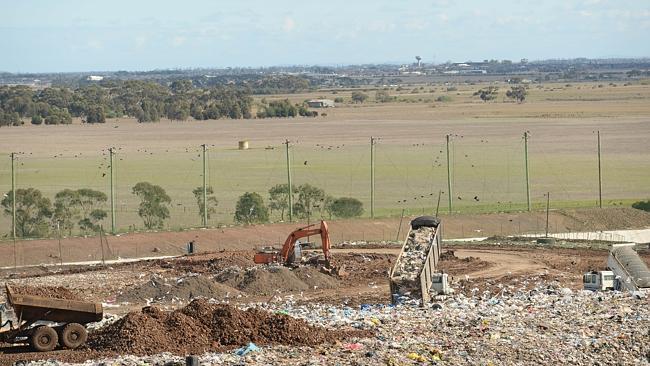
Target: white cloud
289, 24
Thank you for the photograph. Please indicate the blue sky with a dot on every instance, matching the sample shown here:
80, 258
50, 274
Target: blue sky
67, 35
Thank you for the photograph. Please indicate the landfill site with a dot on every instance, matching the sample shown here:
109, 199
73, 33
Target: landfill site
420, 300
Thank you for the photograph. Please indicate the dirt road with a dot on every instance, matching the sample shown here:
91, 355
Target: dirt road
503, 262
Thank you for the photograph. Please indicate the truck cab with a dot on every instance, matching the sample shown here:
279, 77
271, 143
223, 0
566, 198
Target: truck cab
599, 281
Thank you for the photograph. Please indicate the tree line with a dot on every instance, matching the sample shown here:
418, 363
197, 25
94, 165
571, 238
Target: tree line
85, 208
144, 100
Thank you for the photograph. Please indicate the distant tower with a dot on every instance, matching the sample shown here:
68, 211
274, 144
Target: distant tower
419, 59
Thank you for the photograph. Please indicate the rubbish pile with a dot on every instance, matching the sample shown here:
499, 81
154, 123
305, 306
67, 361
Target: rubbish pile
537, 322
405, 281
202, 326
415, 253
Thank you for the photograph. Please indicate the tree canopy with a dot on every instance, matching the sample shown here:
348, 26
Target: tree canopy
251, 209
154, 203
33, 212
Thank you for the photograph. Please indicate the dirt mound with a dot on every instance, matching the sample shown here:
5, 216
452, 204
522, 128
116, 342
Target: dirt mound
209, 262
315, 279
52, 292
160, 289
272, 279
201, 327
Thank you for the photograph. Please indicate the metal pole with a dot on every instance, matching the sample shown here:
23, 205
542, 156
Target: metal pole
372, 177
13, 197
600, 177
548, 200
527, 174
449, 177
101, 244
205, 191
58, 230
399, 229
110, 154
438, 205
290, 190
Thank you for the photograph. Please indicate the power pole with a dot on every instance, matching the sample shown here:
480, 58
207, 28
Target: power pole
449, 195
548, 200
600, 177
110, 154
13, 208
372, 177
290, 187
527, 174
205, 191
13, 196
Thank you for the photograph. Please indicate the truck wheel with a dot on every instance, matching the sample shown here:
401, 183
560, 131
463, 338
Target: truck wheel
73, 335
44, 338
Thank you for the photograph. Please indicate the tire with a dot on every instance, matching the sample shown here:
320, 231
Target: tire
44, 339
73, 335
425, 221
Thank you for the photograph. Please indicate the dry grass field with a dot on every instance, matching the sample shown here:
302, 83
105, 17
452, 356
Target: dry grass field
333, 152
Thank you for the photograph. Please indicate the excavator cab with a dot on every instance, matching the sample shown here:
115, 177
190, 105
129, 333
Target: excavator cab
291, 252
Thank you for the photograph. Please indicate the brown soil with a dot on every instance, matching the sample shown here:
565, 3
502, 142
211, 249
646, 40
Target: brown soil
456, 266
269, 280
201, 327
52, 292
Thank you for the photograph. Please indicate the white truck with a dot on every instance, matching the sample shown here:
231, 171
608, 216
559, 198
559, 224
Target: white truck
626, 271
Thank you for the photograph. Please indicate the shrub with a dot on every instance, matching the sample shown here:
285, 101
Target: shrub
37, 120
642, 205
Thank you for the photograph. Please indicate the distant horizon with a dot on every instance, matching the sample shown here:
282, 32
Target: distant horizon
332, 65
40, 36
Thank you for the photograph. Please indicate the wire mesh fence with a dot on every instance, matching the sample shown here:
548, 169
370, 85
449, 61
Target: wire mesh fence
484, 175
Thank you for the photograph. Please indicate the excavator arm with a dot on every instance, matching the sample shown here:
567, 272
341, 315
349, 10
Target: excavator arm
290, 243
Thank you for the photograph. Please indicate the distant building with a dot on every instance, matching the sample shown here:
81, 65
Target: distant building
94, 78
320, 103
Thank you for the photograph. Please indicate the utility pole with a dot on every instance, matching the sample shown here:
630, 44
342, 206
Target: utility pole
13, 196
290, 187
527, 174
600, 177
205, 191
372, 177
110, 154
548, 201
449, 195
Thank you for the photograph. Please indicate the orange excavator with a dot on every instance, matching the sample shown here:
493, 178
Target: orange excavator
287, 255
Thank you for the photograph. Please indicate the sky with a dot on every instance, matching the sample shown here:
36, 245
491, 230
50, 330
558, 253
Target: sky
88, 35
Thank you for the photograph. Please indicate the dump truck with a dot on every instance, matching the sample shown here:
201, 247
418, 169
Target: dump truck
415, 274
626, 271
46, 322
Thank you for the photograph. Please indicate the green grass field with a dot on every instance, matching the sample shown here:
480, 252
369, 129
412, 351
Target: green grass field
333, 153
